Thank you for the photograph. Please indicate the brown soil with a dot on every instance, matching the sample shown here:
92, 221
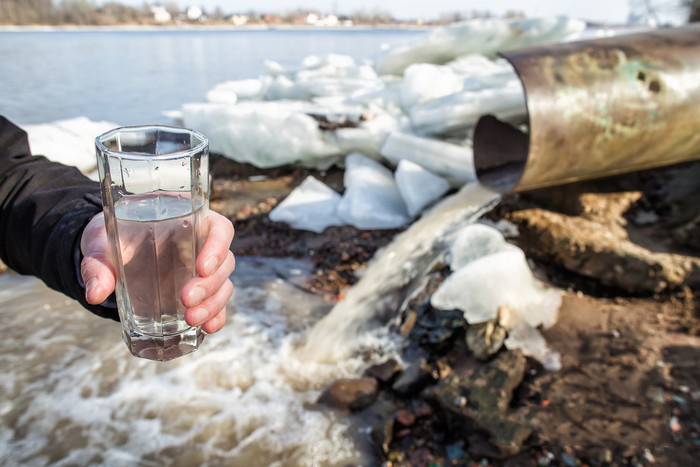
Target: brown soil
629, 389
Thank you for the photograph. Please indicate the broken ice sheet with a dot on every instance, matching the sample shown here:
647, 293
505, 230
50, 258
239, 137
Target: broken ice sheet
419, 187
265, 134
371, 199
483, 36
423, 82
461, 110
310, 206
453, 162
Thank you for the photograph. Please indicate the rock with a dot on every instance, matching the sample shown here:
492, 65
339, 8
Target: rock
482, 400
350, 394
405, 418
485, 339
384, 372
594, 250
632, 232
414, 377
435, 330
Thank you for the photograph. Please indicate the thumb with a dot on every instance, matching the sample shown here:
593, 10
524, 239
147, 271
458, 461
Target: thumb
96, 268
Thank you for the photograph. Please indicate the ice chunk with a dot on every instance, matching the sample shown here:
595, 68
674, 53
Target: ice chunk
336, 86
368, 137
220, 95
481, 67
70, 142
310, 206
486, 284
423, 82
283, 87
419, 187
265, 134
372, 199
483, 36
475, 241
314, 62
453, 162
460, 111
274, 69
242, 89
532, 344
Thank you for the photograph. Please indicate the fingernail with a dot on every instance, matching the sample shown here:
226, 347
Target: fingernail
196, 296
90, 286
210, 265
199, 315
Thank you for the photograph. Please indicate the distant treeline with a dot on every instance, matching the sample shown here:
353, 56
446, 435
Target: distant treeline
81, 12
87, 12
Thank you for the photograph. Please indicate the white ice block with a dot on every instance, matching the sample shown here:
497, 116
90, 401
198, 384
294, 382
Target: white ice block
243, 89
265, 134
419, 187
70, 142
483, 36
310, 206
424, 82
371, 199
483, 285
460, 111
453, 162
475, 241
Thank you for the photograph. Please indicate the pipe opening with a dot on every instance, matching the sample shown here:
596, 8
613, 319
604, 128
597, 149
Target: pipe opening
500, 153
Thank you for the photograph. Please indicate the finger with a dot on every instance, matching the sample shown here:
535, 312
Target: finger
99, 278
198, 289
216, 246
216, 323
211, 307
96, 267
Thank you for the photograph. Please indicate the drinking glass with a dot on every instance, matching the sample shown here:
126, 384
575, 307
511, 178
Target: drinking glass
155, 196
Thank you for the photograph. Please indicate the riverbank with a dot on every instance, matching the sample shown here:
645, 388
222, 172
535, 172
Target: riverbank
628, 392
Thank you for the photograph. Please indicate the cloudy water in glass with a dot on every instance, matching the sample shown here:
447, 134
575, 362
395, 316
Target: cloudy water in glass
160, 236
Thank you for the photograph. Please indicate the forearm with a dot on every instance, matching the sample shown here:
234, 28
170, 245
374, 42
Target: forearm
44, 207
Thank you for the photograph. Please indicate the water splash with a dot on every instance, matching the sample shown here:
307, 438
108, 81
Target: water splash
392, 274
71, 394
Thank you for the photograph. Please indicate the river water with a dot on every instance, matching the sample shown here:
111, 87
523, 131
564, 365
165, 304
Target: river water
130, 77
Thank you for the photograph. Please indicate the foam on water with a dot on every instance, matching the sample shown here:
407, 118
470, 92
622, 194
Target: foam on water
71, 394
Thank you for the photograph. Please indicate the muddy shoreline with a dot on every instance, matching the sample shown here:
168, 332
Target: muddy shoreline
625, 251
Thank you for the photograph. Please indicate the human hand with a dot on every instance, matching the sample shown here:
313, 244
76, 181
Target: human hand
205, 295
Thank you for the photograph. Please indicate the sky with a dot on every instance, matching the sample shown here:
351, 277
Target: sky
612, 11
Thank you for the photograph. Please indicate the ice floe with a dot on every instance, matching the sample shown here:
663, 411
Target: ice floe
70, 142
486, 37
438, 85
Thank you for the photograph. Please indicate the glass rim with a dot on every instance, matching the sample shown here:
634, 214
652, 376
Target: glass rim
143, 156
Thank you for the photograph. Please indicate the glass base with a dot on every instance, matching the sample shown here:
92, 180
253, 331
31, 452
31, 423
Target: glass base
163, 348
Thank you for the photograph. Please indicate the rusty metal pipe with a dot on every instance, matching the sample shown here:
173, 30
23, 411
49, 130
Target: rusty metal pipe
597, 108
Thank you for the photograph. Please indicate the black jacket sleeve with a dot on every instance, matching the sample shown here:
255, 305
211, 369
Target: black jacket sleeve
44, 207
